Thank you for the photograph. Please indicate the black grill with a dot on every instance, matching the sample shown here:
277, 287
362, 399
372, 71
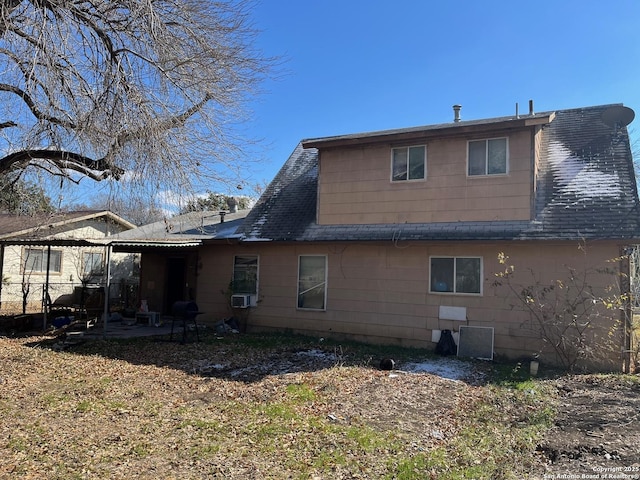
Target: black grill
186, 312
184, 309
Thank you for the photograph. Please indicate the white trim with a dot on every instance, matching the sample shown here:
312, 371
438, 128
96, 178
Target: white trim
24, 257
424, 178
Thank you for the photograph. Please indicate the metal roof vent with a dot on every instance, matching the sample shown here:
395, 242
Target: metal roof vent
456, 113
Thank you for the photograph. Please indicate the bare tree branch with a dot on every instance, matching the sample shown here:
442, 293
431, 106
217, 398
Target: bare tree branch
103, 87
95, 169
33, 107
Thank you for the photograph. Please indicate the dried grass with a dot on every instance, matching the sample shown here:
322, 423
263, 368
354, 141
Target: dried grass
222, 408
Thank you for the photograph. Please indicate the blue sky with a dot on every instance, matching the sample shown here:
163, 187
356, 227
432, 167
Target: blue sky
359, 66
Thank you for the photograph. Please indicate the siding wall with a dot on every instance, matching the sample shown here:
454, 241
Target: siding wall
355, 185
379, 293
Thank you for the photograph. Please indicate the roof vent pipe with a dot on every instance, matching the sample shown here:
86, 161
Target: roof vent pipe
531, 107
456, 113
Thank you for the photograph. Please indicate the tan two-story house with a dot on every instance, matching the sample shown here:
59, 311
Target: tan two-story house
503, 231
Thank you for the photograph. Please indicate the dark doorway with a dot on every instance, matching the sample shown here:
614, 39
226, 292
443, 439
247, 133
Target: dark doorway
176, 282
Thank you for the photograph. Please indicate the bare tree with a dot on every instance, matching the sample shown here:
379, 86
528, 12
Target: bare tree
132, 208
107, 88
216, 201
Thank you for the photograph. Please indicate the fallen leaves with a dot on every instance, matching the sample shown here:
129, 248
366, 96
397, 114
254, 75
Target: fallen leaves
216, 409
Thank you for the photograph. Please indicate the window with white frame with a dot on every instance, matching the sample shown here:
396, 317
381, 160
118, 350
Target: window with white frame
456, 275
312, 282
408, 163
35, 260
487, 157
245, 274
92, 264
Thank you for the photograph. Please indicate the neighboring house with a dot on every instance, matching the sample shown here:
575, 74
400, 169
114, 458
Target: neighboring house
395, 236
56, 253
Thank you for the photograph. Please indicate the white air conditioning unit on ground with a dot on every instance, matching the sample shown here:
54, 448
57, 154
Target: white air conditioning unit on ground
241, 301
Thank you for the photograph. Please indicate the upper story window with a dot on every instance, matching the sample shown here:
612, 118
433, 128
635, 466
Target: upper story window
409, 163
487, 157
35, 260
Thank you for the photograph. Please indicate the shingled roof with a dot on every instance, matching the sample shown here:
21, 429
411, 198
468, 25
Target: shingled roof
585, 189
14, 226
586, 183
287, 208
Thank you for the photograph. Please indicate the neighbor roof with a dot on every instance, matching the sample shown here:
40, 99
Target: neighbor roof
585, 189
189, 229
39, 226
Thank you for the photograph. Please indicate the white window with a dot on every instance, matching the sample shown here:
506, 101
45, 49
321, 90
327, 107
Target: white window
456, 275
92, 264
487, 157
35, 260
245, 274
312, 282
408, 163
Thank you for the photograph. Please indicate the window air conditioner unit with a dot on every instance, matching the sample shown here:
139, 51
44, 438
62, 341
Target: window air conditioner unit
241, 301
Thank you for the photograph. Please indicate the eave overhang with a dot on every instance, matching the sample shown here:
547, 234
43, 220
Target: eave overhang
430, 131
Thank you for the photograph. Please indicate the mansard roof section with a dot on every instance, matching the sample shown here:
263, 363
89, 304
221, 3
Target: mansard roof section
586, 182
288, 206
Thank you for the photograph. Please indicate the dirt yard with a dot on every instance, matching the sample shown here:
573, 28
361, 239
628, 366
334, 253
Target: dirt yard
248, 408
597, 430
